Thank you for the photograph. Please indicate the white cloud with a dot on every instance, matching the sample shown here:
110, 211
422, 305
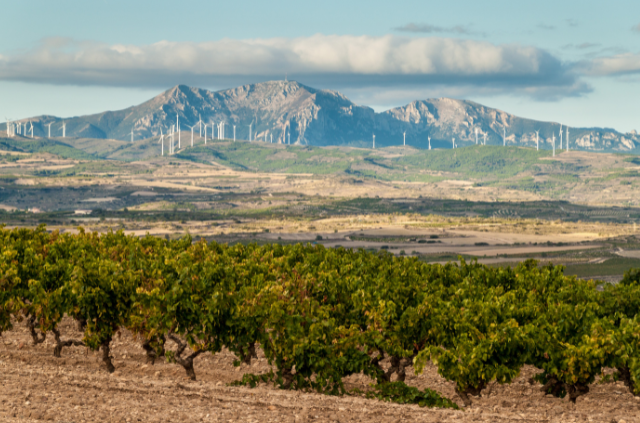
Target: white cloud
620, 64
324, 60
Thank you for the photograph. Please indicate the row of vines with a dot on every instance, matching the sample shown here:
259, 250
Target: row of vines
322, 314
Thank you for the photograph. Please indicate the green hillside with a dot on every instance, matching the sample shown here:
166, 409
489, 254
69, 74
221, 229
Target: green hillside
386, 164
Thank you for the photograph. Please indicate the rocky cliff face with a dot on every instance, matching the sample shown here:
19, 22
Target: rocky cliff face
278, 109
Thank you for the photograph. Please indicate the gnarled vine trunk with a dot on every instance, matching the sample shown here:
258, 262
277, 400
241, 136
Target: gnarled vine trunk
469, 390
150, 352
185, 362
106, 355
57, 350
624, 373
38, 338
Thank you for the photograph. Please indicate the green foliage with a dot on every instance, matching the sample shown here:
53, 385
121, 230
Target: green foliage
471, 161
321, 314
400, 393
47, 146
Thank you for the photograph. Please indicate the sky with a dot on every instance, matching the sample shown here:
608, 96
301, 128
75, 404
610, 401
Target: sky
567, 61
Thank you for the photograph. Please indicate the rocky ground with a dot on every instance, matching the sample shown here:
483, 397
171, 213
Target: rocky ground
36, 386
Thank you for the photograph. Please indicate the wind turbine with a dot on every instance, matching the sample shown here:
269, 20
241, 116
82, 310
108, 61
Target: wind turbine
374, 141
485, 138
234, 133
222, 126
554, 145
271, 138
31, 123
49, 130
567, 138
560, 137
476, 136
64, 129
404, 139
162, 141
173, 143
205, 134
537, 141
453, 140
429, 142
178, 129
504, 136
132, 135
250, 131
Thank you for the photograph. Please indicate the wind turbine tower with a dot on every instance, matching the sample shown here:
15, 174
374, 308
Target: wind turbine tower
561, 138
205, 134
250, 131
567, 139
504, 136
453, 141
200, 123
64, 129
162, 141
31, 123
485, 138
49, 130
554, 145
476, 136
429, 138
404, 139
173, 142
178, 129
537, 140
234, 133
132, 135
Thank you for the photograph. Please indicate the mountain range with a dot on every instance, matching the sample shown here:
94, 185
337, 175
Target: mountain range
287, 111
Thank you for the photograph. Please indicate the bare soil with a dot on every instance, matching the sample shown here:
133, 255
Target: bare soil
36, 386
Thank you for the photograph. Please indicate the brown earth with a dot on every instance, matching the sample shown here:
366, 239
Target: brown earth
76, 388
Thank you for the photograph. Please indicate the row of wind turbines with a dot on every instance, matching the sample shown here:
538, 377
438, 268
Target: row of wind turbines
504, 139
175, 129
20, 128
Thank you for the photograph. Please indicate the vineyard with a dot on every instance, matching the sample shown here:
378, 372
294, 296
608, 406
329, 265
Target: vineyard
320, 315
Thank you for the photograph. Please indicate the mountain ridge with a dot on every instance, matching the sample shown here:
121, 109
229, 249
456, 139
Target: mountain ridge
279, 110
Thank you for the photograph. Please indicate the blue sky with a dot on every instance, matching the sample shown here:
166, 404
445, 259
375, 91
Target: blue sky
575, 62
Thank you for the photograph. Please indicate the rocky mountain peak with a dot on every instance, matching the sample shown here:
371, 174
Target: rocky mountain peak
282, 110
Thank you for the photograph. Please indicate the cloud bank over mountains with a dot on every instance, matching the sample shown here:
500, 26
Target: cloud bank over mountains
391, 63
